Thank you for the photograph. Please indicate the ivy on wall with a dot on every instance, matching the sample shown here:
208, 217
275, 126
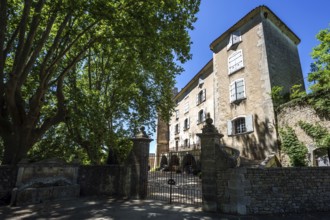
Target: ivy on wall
295, 149
320, 134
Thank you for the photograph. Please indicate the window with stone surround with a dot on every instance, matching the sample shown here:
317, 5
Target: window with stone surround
235, 61
240, 125
237, 90
201, 97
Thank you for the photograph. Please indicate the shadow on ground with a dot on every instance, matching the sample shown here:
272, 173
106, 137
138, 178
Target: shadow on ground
109, 208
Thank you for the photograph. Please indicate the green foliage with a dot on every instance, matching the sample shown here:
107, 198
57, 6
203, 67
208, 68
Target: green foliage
320, 69
98, 66
297, 92
296, 150
320, 101
276, 94
320, 134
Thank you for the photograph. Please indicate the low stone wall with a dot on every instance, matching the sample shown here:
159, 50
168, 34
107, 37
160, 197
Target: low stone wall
273, 190
111, 180
8, 175
290, 115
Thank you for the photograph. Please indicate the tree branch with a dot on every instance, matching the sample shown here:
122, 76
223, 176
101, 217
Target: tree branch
37, 49
56, 60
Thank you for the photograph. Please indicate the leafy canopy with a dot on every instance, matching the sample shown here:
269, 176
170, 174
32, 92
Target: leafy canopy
53, 65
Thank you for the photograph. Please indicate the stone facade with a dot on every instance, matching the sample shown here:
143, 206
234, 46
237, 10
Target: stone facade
290, 115
270, 58
273, 190
241, 190
54, 180
194, 102
254, 55
111, 180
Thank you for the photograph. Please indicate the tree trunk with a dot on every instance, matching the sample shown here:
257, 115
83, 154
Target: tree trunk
16, 148
112, 158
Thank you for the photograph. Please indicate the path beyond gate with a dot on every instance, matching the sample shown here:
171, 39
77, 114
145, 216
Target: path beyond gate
177, 178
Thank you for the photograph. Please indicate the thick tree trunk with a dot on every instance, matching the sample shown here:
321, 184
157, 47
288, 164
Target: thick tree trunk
112, 158
16, 148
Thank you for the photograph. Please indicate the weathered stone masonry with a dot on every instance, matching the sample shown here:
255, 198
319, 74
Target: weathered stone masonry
273, 190
8, 176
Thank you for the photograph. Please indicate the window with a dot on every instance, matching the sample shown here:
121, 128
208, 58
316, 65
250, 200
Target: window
240, 125
186, 107
201, 97
201, 116
186, 143
237, 90
176, 114
176, 145
235, 61
234, 38
200, 82
186, 124
177, 129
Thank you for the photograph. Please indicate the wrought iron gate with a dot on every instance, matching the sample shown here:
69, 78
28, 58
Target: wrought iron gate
176, 177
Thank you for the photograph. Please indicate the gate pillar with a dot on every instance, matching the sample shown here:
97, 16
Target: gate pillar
210, 142
138, 160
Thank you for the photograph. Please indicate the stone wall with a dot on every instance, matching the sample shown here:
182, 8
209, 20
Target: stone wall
8, 176
111, 180
290, 115
273, 190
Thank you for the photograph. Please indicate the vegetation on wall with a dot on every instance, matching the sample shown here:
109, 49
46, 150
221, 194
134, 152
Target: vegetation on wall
295, 149
320, 134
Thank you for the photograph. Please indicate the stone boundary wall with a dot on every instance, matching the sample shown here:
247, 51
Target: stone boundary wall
8, 175
110, 180
291, 115
273, 190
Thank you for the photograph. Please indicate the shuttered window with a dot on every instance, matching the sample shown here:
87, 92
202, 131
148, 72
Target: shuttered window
186, 107
237, 90
177, 129
201, 97
234, 38
235, 61
186, 124
201, 116
240, 125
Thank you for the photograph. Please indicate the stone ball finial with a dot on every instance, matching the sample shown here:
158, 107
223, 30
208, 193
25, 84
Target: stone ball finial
209, 120
209, 127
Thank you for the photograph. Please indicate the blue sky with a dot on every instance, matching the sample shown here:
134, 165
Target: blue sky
304, 17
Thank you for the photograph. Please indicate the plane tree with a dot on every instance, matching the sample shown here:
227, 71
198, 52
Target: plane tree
46, 46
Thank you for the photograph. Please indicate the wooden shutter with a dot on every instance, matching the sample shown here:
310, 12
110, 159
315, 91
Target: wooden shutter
236, 37
229, 127
240, 89
197, 99
235, 61
230, 42
188, 124
204, 115
232, 91
249, 123
204, 95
